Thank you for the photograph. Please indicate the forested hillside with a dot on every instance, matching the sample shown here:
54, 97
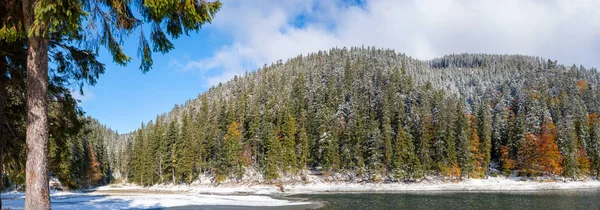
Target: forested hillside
78, 154
371, 114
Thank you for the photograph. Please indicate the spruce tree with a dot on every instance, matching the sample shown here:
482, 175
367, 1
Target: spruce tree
463, 153
484, 128
424, 139
273, 147
373, 154
386, 127
406, 163
169, 150
302, 149
499, 129
232, 165
187, 148
594, 143
158, 138
289, 143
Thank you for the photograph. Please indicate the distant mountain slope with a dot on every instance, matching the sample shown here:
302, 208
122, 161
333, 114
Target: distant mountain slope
372, 114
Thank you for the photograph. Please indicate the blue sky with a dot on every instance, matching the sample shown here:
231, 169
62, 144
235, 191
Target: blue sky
247, 34
123, 98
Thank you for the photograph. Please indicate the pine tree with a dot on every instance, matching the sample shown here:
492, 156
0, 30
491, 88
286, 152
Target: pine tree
302, 141
289, 143
567, 141
137, 157
232, 165
484, 129
406, 163
330, 156
157, 144
201, 135
463, 153
477, 155
358, 139
272, 145
424, 143
387, 114
187, 156
302, 149
169, 149
272, 155
594, 143
253, 132
499, 129
387, 136
373, 153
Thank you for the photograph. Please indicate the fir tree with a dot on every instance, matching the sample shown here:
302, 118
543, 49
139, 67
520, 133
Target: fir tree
232, 165
484, 128
289, 143
187, 155
463, 152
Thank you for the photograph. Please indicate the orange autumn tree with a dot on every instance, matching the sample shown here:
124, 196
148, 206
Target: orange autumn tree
582, 85
508, 163
583, 162
477, 154
93, 172
539, 154
528, 154
550, 157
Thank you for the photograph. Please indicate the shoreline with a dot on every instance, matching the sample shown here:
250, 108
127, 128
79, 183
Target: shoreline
270, 196
492, 184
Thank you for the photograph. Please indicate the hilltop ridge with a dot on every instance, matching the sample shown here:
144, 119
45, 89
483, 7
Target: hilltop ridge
372, 114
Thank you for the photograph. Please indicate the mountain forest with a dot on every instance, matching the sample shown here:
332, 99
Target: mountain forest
352, 114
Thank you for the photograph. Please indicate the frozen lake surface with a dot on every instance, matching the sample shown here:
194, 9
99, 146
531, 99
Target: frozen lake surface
121, 199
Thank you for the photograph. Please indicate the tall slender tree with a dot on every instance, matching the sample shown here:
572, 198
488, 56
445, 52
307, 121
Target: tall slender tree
45, 23
484, 128
464, 155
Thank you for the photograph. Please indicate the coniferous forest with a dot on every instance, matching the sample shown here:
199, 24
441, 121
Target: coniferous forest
358, 114
78, 150
366, 114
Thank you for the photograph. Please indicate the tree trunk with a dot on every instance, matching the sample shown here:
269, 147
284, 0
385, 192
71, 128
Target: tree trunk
1, 173
37, 195
3, 81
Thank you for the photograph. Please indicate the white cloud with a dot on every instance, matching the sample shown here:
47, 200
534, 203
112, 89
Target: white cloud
264, 31
88, 95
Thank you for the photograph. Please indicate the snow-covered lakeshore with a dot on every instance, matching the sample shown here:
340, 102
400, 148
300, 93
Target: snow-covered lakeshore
489, 184
127, 196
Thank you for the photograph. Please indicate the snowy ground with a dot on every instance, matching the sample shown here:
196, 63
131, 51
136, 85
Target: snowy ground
490, 184
319, 186
127, 196
132, 199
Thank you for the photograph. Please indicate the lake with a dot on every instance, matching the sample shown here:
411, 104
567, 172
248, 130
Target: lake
447, 200
550, 199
